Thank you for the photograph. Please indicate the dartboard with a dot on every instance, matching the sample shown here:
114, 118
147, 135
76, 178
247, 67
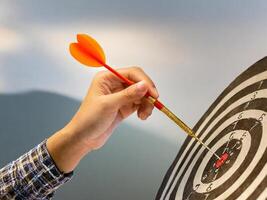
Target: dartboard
235, 125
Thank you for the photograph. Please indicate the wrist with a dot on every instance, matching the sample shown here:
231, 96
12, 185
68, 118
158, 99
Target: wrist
66, 149
79, 134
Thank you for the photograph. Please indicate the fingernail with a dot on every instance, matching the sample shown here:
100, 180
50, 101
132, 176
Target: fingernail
141, 86
143, 116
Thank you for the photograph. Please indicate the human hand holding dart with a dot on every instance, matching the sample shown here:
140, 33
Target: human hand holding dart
88, 52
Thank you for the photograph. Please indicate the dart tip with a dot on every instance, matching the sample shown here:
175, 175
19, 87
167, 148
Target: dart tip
217, 156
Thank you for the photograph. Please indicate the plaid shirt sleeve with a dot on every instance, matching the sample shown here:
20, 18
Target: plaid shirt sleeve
32, 176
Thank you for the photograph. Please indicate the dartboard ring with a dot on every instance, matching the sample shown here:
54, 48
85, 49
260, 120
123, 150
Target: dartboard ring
236, 124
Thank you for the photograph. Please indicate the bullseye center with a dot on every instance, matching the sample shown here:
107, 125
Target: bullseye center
222, 160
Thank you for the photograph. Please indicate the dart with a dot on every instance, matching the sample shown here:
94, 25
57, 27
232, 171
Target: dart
88, 52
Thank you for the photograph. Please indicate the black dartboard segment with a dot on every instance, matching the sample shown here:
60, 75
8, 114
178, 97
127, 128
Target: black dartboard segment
235, 123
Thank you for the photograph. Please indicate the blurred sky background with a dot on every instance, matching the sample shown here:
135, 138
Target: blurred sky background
191, 49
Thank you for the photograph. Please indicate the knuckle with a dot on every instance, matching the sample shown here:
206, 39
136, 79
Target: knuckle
138, 69
100, 74
129, 93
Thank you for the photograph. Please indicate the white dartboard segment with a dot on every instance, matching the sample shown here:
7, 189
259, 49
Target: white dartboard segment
236, 123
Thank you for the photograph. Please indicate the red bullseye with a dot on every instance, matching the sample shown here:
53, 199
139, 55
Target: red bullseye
222, 160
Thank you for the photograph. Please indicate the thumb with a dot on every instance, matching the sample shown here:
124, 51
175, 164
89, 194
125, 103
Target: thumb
129, 95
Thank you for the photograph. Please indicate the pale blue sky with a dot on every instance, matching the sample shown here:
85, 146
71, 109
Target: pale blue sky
192, 49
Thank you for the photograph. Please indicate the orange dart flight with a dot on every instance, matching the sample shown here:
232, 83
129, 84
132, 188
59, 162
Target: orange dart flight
88, 52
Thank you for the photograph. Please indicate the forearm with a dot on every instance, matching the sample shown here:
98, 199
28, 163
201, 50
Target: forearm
67, 148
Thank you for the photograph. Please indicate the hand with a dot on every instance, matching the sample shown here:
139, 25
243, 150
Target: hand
106, 104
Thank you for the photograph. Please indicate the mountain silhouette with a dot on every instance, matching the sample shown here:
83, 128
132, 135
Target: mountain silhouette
130, 166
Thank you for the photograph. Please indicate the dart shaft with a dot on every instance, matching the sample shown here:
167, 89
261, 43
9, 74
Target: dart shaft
182, 125
163, 108
186, 129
